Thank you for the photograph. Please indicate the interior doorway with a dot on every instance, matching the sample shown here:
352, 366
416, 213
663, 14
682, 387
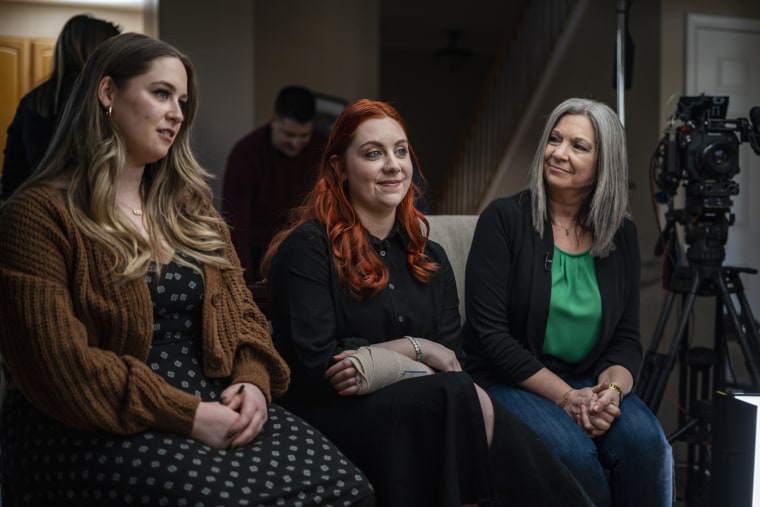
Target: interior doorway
722, 59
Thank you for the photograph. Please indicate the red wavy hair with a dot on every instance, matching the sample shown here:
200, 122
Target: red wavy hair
359, 266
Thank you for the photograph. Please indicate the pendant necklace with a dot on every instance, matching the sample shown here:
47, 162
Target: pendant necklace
567, 229
135, 211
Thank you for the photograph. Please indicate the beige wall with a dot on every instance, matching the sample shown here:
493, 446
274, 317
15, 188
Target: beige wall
219, 41
32, 19
331, 47
246, 51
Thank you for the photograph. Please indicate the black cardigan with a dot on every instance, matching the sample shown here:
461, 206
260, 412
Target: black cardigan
508, 289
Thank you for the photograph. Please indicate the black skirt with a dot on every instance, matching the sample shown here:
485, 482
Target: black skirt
422, 443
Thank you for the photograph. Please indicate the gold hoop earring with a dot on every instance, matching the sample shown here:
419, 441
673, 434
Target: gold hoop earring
109, 111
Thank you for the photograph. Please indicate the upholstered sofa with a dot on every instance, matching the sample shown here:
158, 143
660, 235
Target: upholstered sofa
454, 233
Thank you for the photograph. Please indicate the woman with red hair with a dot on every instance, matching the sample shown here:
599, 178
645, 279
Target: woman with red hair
365, 311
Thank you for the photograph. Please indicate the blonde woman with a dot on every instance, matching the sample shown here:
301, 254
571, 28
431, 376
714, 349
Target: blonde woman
140, 370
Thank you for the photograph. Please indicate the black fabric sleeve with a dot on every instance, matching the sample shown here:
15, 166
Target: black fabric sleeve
302, 271
488, 280
448, 315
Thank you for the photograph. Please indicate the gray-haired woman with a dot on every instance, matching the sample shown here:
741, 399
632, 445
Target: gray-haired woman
552, 302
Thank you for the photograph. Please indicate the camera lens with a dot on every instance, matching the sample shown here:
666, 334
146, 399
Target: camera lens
721, 158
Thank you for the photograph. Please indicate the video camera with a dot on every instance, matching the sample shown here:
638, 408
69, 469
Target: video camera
704, 149
702, 152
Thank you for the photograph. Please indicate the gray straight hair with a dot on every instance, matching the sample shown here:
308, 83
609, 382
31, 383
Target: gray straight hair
605, 208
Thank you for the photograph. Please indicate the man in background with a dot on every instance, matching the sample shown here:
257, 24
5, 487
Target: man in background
268, 173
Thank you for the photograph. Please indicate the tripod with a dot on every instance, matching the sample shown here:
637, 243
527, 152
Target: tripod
700, 279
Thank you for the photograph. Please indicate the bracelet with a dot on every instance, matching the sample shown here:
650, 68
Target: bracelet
565, 399
417, 348
616, 387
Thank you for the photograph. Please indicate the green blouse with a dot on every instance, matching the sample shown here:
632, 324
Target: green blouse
575, 309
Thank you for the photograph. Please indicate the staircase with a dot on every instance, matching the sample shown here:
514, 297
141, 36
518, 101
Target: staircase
513, 84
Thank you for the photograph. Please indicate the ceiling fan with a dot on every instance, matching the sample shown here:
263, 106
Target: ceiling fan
453, 52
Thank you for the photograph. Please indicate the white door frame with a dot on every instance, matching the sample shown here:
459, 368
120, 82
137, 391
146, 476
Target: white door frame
745, 205
696, 22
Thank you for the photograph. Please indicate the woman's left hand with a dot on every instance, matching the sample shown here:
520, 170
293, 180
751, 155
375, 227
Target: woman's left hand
343, 375
248, 401
597, 417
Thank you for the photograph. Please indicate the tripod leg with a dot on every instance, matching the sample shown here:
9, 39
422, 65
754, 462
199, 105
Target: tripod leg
748, 327
670, 360
751, 331
657, 367
653, 361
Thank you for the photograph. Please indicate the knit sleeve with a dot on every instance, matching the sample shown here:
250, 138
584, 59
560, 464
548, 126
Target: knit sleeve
72, 343
240, 331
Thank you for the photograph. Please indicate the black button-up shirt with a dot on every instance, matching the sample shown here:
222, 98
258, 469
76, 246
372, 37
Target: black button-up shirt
314, 317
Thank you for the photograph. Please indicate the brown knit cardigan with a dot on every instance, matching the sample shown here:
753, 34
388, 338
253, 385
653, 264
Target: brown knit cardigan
75, 342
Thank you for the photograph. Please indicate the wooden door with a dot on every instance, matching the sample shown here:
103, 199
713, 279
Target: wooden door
14, 80
24, 63
42, 60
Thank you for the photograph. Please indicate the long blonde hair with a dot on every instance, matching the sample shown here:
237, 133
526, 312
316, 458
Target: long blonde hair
87, 155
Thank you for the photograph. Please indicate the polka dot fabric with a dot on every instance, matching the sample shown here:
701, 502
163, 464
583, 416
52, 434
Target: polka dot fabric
289, 464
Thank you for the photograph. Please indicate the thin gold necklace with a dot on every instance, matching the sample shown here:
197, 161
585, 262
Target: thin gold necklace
567, 229
135, 211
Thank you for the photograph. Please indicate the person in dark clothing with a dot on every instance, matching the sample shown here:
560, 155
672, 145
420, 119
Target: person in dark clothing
268, 173
552, 304
32, 127
364, 309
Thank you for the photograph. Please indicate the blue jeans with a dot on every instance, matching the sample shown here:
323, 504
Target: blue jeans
634, 451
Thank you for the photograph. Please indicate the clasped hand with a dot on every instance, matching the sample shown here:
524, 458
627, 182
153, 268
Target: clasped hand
594, 409
235, 420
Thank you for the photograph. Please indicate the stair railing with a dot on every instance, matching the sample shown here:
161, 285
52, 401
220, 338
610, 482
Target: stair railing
507, 91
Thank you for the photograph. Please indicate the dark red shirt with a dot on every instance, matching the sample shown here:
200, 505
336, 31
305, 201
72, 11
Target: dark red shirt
260, 187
